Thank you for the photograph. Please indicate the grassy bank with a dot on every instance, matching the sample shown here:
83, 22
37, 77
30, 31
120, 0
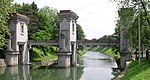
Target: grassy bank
138, 72
39, 55
83, 51
106, 50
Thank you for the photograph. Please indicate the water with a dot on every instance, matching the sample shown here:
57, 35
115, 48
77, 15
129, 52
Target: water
97, 66
91, 67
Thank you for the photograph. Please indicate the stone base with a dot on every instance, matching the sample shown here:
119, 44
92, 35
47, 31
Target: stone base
129, 57
64, 60
11, 58
2, 63
122, 62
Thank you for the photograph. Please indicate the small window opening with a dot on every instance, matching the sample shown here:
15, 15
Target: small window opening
22, 27
72, 27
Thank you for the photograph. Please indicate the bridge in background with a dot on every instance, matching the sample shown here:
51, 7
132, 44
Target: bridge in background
79, 42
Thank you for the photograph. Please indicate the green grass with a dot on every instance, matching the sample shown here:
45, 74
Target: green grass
138, 72
82, 52
38, 55
106, 50
48, 57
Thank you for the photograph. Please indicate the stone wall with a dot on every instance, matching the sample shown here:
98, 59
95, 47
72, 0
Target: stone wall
45, 62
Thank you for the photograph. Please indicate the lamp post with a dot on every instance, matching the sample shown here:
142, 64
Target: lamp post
139, 31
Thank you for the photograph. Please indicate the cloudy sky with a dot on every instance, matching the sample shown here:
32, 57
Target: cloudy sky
97, 17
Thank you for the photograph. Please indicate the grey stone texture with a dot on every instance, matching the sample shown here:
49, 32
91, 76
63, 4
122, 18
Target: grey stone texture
19, 38
67, 40
2, 63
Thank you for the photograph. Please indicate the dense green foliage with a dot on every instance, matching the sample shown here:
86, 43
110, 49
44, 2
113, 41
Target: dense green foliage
128, 13
80, 36
49, 24
5, 9
80, 33
128, 20
43, 22
31, 11
47, 30
43, 25
138, 72
37, 54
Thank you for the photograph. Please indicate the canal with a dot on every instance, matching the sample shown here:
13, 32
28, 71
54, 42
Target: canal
92, 66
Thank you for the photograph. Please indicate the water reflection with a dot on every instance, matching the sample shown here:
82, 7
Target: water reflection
97, 74
91, 68
96, 59
2, 70
73, 73
9, 73
25, 73
98, 66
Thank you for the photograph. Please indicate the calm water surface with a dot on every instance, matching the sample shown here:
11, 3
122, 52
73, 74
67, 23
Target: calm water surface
91, 67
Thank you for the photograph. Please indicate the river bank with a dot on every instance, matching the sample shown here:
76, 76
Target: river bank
121, 74
136, 71
133, 70
106, 50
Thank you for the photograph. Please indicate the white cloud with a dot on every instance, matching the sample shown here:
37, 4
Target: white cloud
97, 17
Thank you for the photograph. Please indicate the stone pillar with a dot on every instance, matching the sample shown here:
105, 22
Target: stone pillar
11, 57
123, 46
74, 55
63, 53
26, 57
68, 26
125, 52
19, 32
2, 63
122, 62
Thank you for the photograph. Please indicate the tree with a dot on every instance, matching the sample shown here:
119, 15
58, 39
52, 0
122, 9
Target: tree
43, 25
49, 21
48, 29
80, 33
5, 9
128, 19
31, 11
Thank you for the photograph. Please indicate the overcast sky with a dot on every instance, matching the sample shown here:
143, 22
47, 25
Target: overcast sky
97, 17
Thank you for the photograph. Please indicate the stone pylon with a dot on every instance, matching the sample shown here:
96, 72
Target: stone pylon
19, 37
11, 56
68, 28
124, 50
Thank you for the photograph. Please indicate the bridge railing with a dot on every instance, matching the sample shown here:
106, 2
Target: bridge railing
79, 42
43, 42
98, 42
